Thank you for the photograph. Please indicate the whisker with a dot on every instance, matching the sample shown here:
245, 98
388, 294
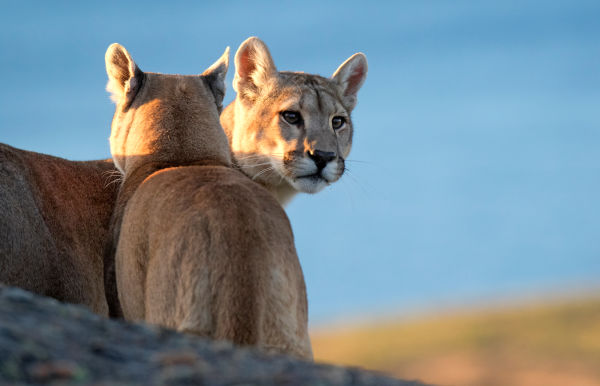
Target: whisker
357, 182
255, 165
263, 172
110, 173
250, 156
117, 180
360, 162
112, 177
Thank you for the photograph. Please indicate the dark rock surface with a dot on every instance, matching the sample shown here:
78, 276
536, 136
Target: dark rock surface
43, 341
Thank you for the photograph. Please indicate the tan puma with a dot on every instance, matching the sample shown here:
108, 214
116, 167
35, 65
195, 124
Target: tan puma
201, 248
56, 212
54, 217
291, 131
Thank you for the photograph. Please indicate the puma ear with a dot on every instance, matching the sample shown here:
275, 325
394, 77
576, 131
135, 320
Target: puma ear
215, 77
124, 76
253, 68
350, 76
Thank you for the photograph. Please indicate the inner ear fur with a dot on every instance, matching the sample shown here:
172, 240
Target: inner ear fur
350, 76
254, 66
124, 76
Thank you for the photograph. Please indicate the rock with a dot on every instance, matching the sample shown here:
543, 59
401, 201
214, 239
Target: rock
43, 341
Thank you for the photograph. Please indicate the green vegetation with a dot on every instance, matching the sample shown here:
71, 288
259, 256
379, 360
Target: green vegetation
550, 344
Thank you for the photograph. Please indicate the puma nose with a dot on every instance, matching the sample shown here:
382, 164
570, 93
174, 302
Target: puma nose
321, 158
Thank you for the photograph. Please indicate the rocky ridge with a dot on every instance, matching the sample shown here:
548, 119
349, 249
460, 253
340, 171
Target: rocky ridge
43, 341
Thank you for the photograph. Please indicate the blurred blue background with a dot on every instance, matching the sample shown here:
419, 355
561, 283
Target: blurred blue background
475, 172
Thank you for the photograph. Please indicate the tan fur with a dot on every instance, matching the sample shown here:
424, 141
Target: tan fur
201, 248
54, 220
274, 152
57, 211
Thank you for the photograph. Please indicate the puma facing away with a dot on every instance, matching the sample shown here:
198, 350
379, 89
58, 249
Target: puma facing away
199, 247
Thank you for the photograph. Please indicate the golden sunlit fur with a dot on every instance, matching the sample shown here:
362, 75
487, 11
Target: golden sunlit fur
285, 157
56, 212
54, 218
197, 246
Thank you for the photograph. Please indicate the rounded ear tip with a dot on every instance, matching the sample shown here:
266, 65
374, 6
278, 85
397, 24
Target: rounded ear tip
113, 50
252, 41
362, 57
360, 62
113, 47
243, 49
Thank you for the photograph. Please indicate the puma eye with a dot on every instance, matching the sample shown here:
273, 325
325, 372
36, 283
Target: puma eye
337, 122
292, 117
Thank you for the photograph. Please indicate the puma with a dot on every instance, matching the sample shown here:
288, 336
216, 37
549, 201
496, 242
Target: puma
291, 131
197, 246
54, 221
56, 212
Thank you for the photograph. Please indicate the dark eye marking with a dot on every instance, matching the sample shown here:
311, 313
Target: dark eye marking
337, 122
291, 117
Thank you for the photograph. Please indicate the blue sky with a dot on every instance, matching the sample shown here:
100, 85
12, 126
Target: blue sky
475, 171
